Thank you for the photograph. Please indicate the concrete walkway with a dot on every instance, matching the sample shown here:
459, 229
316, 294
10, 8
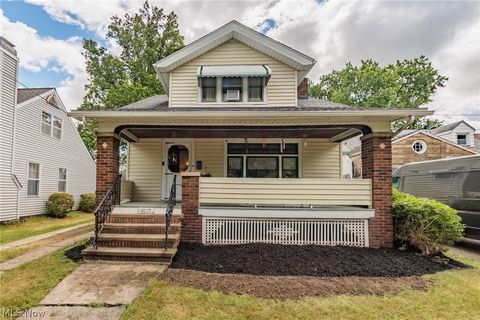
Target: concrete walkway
43, 236
40, 252
110, 286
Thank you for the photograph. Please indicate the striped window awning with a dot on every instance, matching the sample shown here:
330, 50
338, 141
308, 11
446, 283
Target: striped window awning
259, 70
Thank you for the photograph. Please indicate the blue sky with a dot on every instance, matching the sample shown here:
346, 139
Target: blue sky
48, 34
37, 18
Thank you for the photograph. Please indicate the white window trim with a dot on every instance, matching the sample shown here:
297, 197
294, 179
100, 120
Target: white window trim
61, 180
467, 140
424, 145
52, 117
226, 103
260, 140
39, 179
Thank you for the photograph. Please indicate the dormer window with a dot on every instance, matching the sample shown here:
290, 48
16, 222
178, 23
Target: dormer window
233, 84
209, 89
232, 89
462, 139
255, 89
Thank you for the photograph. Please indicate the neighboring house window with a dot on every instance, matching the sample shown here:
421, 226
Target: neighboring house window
51, 125
262, 160
33, 179
62, 180
255, 89
209, 89
232, 89
419, 146
462, 139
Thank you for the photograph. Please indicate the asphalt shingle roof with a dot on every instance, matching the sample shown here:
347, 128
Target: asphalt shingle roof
160, 103
449, 127
24, 94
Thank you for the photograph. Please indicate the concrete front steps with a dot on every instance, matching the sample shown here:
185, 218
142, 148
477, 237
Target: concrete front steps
130, 236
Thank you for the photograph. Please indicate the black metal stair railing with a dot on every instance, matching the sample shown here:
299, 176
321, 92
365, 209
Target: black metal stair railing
106, 206
172, 200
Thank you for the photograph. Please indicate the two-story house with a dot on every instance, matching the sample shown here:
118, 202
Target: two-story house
251, 157
41, 150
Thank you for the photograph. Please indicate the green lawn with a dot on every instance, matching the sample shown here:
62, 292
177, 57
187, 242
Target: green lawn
26, 285
36, 225
453, 295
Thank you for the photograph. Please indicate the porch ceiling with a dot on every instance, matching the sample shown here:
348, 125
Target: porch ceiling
334, 132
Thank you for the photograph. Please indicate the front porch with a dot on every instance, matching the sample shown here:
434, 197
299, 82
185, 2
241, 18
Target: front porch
264, 187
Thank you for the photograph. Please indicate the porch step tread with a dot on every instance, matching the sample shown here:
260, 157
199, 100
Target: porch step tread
144, 215
139, 225
138, 236
130, 252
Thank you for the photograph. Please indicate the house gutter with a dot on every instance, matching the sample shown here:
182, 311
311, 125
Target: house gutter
394, 114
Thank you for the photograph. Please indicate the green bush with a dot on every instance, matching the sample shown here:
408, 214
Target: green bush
425, 224
59, 204
87, 202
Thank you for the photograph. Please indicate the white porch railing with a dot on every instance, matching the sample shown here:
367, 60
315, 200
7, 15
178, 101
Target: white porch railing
290, 211
286, 192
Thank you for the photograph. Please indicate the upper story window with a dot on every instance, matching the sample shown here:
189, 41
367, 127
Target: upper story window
51, 125
419, 146
209, 89
255, 89
232, 89
233, 84
462, 139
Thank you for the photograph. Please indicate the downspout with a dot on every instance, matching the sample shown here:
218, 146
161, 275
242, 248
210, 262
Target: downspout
406, 124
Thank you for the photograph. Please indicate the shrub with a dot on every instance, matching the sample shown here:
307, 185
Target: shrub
87, 202
59, 204
425, 224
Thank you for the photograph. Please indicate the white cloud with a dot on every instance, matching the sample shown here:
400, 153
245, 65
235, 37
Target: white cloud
334, 32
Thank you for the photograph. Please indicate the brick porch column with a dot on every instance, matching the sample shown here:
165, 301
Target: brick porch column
191, 231
107, 163
377, 165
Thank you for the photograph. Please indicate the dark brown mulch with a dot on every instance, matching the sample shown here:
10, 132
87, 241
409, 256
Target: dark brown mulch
320, 261
273, 287
75, 253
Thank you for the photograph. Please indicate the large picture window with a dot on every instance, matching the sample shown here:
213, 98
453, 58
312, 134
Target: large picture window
262, 160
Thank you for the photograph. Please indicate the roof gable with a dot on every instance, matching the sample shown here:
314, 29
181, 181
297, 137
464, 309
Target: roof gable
25, 94
433, 137
450, 127
234, 30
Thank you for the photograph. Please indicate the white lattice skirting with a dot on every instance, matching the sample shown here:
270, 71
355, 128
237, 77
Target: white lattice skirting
233, 230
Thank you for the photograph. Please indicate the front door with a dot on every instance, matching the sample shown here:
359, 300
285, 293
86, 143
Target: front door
178, 158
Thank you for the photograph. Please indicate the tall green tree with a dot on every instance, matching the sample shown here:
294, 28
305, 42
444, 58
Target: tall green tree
117, 79
419, 124
404, 84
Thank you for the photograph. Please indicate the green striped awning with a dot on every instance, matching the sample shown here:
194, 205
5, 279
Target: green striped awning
259, 70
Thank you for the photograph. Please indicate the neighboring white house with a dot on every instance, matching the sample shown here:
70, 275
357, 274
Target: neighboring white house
459, 132
43, 150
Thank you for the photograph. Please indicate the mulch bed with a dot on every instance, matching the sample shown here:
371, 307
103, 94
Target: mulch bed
291, 287
318, 261
75, 253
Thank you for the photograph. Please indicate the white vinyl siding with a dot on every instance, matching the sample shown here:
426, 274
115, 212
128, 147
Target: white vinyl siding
145, 169
211, 153
8, 88
321, 159
68, 153
281, 88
